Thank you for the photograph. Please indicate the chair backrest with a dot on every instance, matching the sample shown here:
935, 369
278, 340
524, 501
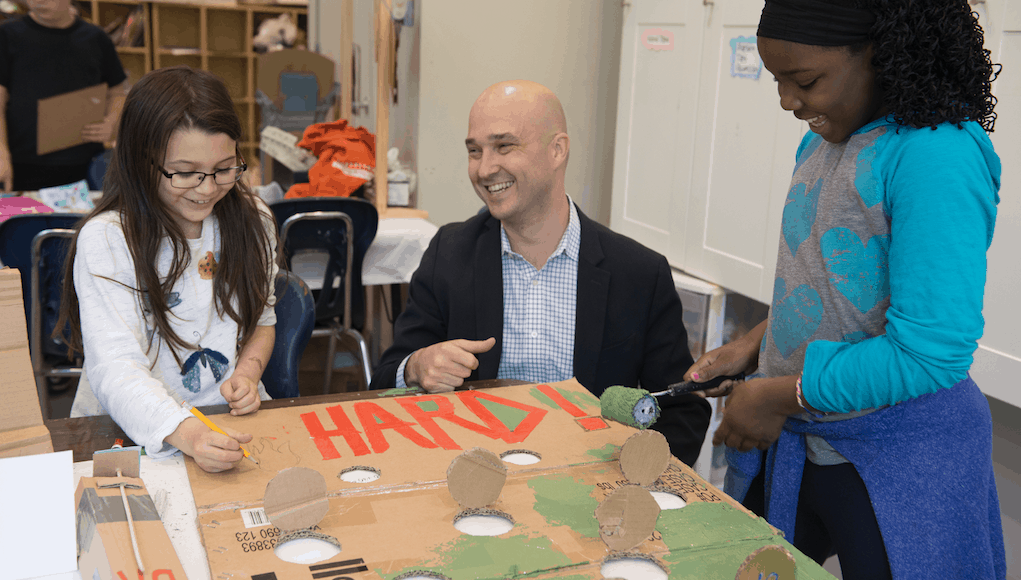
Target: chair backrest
330, 234
49, 252
296, 317
16, 241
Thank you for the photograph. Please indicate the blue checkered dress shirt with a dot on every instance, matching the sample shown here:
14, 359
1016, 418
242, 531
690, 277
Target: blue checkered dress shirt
538, 311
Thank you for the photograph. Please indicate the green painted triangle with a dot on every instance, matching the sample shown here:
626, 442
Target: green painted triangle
509, 416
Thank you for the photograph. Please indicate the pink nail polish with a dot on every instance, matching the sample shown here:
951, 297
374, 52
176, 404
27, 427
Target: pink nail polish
694, 376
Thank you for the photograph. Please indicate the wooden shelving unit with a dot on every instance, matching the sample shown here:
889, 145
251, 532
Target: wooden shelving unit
218, 38
137, 60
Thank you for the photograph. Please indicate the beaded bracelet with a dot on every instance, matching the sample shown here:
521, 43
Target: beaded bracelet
802, 402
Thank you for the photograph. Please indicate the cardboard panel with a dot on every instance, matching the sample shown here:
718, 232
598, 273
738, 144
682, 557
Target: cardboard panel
411, 440
21, 420
61, 118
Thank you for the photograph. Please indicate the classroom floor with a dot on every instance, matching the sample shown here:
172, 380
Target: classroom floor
347, 374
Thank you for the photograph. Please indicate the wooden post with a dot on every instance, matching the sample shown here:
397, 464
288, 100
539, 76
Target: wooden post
384, 68
347, 77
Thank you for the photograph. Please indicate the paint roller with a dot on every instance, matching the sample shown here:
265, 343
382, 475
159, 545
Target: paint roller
640, 408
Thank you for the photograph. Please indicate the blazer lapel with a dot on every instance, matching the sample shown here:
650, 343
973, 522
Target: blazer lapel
488, 294
590, 315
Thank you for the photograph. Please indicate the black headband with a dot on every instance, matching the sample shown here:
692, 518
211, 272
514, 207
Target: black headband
815, 22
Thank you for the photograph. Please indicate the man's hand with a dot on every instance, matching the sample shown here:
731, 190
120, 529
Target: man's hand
6, 171
756, 412
445, 365
100, 132
241, 393
212, 451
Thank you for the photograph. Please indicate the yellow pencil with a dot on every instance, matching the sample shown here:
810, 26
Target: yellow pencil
213, 426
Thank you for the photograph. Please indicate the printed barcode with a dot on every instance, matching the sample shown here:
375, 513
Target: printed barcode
255, 517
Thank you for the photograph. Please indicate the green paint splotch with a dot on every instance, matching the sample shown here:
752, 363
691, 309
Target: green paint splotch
542, 398
399, 392
563, 501
711, 540
492, 557
604, 453
509, 416
580, 398
428, 406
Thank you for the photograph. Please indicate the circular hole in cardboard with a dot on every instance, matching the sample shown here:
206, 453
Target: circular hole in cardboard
305, 551
359, 474
483, 522
634, 567
421, 575
668, 501
521, 457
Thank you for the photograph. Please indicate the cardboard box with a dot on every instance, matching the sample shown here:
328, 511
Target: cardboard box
404, 521
104, 540
21, 420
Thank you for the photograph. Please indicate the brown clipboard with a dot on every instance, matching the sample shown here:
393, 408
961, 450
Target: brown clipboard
61, 118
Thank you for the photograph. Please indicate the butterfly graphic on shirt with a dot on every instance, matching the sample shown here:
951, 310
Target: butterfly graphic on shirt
214, 361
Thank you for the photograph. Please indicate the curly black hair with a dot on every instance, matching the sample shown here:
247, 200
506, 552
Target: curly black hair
930, 62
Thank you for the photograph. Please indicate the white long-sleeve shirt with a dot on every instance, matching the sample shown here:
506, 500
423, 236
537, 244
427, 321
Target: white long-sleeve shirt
122, 375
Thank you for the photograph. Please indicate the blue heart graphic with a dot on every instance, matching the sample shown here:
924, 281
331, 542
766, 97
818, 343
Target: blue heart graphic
859, 273
795, 317
865, 180
799, 214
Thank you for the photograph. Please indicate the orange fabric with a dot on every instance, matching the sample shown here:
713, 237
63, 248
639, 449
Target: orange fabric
347, 158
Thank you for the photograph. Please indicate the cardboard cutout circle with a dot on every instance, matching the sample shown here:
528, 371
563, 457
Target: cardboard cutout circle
644, 457
627, 517
773, 562
476, 477
296, 498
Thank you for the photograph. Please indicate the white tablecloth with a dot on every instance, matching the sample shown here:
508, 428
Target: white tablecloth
391, 259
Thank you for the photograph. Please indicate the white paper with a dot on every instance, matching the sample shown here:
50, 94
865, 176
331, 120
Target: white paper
37, 516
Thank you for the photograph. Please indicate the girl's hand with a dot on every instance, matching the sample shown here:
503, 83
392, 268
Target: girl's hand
741, 355
756, 412
212, 451
241, 393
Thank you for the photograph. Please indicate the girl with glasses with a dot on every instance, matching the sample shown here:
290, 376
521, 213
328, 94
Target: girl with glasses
173, 274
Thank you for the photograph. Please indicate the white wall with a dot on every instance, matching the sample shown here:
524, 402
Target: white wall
571, 46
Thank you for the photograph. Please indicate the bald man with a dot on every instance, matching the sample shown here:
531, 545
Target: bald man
532, 289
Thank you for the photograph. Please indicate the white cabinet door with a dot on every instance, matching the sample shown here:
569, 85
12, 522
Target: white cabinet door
998, 359
656, 114
744, 158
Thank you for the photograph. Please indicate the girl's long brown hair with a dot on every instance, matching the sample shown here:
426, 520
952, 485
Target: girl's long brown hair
160, 103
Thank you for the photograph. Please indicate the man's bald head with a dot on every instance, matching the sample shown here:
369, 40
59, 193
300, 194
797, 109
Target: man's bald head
534, 106
517, 153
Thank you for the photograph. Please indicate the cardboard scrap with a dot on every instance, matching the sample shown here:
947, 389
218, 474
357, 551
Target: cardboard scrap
107, 462
296, 499
476, 477
62, 118
104, 541
22, 431
644, 456
627, 517
773, 562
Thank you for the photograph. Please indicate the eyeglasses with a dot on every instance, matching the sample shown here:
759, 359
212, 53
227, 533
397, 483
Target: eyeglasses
192, 179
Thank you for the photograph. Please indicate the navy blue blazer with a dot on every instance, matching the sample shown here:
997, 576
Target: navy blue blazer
628, 331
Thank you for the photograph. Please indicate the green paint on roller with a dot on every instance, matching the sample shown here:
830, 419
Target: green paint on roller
509, 416
563, 501
492, 557
428, 406
542, 398
634, 407
604, 453
399, 392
